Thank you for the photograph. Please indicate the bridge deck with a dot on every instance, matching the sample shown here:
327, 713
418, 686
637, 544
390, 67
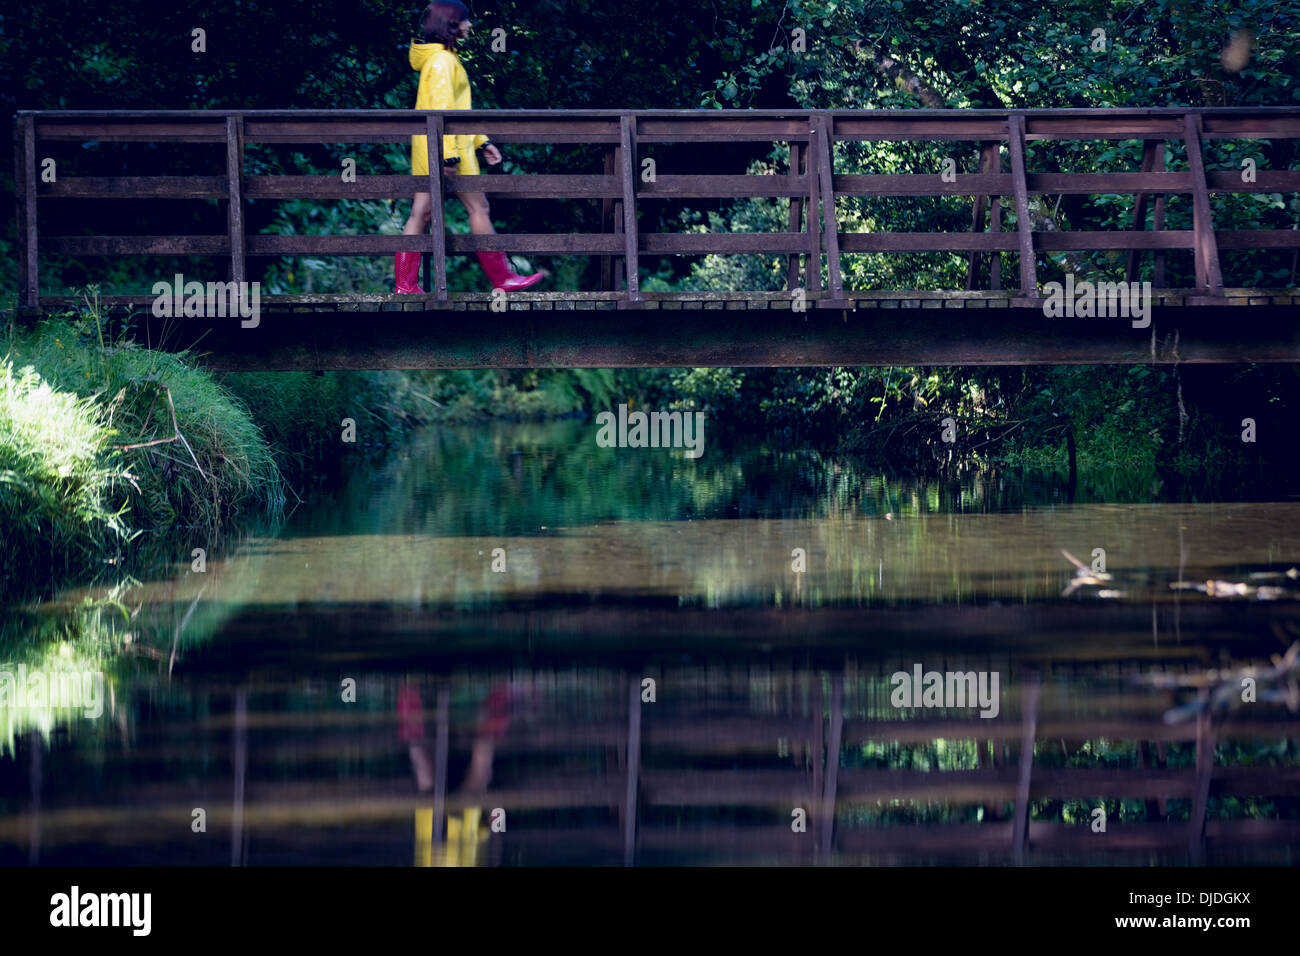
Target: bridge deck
666, 330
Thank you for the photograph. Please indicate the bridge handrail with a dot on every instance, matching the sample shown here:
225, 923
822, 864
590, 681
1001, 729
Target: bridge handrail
811, 184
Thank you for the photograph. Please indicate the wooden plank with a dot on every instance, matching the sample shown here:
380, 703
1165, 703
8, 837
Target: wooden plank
735, 243
1028, 267
920, 184
722, 187
29, 293
234, 196
144, 245
825, 154
628, 134
1025, 768
437, 220
138, 187
392, 187
1257, 238
1208, 276
1266, 181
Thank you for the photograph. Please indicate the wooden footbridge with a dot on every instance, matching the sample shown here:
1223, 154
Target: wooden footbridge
814, 320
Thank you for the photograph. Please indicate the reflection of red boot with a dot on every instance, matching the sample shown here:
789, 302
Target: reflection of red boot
407, 267
494, 718
410, 715
502, 276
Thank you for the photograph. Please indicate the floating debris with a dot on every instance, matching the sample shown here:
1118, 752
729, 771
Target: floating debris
1222, 689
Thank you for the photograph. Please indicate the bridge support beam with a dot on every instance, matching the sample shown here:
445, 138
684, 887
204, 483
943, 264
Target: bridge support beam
719, 334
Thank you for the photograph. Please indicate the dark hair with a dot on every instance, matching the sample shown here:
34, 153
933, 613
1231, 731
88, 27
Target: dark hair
441, 20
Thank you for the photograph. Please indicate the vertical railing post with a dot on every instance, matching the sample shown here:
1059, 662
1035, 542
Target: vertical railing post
607, 224
825, 169
29, 295
814, 271
1024, 228
631, 235
797, 160
1208, 277
433, 138
235, 197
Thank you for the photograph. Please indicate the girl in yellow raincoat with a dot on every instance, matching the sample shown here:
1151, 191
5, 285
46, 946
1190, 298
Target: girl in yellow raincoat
444, 85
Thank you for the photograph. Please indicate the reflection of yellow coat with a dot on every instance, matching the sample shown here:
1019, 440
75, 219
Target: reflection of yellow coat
444, 85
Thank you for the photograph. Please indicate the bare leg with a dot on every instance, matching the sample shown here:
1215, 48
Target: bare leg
480, 220
421, 209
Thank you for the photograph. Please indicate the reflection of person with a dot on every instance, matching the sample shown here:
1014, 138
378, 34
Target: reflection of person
444, 85
464, 830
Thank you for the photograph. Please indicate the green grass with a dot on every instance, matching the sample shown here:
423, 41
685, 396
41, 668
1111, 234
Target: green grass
199, 468
63, 491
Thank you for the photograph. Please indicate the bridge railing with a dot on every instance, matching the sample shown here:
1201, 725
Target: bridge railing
811, 184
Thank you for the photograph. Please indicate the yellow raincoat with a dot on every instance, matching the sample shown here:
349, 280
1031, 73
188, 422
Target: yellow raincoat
444, 85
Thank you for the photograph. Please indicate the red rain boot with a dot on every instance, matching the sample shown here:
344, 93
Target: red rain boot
407, 267
502, 276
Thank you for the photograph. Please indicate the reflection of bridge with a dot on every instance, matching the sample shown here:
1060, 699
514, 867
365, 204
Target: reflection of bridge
713, 769
981, 323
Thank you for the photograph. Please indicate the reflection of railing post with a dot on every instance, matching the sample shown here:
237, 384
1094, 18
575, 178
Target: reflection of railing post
832, 767
633, 769
1029, 731
241, 774
440, 770
1204, 770
36, 741
819, 742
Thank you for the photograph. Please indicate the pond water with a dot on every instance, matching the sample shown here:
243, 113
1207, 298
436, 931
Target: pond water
508, 646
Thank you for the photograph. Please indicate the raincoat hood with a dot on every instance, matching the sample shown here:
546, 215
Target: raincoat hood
421, 52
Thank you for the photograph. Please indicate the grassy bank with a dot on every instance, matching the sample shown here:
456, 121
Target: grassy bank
108, 449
